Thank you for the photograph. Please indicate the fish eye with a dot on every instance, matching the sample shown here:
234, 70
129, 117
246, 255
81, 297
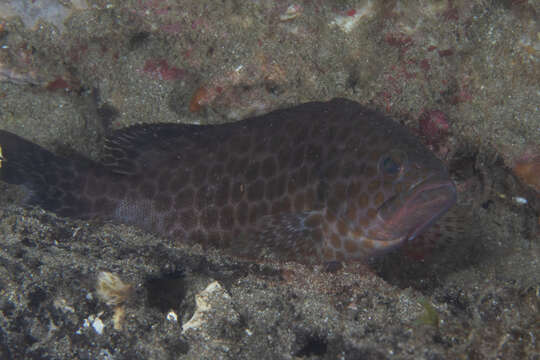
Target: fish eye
389, 166
392, 163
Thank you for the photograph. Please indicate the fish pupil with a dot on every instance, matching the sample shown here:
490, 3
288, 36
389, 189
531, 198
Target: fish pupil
390, 166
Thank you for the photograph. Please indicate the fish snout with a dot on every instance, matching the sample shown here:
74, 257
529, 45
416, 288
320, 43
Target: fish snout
417, 209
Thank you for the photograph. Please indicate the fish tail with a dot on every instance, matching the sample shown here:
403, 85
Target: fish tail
52, 182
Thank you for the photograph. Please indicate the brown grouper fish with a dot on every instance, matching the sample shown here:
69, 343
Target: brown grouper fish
315, 183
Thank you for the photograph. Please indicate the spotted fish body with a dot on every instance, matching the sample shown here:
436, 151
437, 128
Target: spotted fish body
314, 183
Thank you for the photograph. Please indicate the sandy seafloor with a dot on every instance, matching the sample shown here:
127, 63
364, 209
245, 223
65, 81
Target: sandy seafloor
72, 72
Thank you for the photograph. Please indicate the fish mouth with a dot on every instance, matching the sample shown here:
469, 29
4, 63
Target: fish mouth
409, 214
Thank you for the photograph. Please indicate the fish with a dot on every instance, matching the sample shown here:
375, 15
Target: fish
315, 183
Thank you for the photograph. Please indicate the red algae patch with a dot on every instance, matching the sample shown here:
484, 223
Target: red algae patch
198, 99
433, 126
527, 168
160, 69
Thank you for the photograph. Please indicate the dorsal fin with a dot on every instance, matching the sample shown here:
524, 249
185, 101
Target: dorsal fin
128, 150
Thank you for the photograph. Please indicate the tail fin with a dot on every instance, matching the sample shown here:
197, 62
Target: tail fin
54, 183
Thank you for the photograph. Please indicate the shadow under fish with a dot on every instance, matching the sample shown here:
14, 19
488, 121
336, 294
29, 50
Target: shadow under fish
315, 183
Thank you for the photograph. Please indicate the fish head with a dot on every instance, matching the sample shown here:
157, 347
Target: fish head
417, 198
408, 190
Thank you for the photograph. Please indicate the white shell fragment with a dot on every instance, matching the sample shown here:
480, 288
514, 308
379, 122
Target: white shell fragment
171, 316
519, 200
348, 22
292, 12
214, 307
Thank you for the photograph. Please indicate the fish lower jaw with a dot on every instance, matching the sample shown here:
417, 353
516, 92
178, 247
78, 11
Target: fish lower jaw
382, 245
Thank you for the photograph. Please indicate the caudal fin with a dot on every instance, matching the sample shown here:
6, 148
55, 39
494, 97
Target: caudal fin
53, 182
